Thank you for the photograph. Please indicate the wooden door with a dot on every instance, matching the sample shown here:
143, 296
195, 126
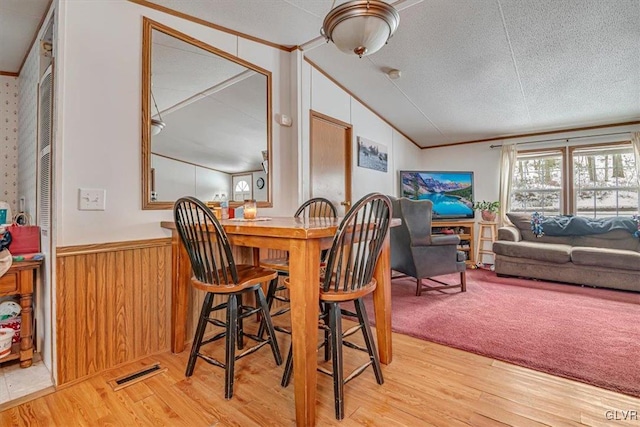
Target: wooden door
331, 160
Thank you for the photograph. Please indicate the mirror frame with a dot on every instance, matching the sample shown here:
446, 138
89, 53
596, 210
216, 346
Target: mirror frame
149, 25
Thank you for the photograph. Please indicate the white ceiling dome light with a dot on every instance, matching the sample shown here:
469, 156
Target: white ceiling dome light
361, 26
156, 124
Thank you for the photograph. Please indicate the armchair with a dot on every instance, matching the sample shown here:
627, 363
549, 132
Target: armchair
415, 252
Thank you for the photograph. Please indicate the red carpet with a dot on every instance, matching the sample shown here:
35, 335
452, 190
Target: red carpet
585, 334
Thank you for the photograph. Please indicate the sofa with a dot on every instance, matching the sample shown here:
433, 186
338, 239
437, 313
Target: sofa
609, 260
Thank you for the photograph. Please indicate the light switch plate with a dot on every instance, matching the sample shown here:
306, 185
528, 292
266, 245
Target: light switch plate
91, 199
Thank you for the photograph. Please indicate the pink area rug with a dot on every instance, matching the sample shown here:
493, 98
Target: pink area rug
586, 334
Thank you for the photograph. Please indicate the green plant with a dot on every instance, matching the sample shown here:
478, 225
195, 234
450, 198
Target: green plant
486, 206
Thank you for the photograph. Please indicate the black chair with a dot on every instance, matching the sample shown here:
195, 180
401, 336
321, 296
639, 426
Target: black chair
349, 277
216, 273
318, 207
415, 252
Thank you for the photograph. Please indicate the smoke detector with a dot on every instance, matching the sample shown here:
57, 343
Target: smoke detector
394, 74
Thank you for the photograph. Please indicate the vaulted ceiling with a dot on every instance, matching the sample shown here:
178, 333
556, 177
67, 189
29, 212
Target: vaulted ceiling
471, 69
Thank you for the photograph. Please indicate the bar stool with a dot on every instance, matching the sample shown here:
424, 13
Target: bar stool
216, 273
492, 228
349, 277
317, 207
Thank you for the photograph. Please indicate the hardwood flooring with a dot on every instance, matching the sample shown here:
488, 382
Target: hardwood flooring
426, 385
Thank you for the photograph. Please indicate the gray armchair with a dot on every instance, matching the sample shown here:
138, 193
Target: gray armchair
415, 252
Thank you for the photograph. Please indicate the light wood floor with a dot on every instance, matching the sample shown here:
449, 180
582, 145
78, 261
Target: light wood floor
427, 384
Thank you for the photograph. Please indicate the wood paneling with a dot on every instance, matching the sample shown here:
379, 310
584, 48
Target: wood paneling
113, 305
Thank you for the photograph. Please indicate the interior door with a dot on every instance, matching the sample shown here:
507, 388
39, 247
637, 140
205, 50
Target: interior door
331, 160
241, 187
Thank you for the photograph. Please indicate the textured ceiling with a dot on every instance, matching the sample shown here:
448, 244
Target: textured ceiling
471, 69
19, 21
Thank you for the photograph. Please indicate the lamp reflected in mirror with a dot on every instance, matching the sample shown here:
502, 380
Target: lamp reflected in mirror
156, 124
206, 123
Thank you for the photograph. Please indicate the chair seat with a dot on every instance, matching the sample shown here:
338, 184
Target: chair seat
281, 265
248, 276
340, 296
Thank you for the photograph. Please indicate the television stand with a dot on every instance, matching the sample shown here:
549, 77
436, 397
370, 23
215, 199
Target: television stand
463, 228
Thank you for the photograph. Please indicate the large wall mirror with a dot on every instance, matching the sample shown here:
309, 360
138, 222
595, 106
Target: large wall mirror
206, 128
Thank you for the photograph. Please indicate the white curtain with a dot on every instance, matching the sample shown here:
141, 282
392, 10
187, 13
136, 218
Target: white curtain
507, 166
635, 141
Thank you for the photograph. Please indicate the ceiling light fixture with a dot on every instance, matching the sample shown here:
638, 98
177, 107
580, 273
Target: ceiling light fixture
360, 26
156, 125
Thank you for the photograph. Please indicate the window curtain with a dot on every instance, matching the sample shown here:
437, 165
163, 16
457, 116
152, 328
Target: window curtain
635, 141
507, 166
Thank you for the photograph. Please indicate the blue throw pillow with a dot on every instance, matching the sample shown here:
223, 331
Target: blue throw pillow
536, 224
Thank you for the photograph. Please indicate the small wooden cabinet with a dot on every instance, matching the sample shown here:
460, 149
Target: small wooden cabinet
462, 228
20, 279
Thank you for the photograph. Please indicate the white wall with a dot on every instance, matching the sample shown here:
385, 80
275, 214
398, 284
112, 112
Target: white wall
99, 112
174, 179
259, 193
318, 93
479, 158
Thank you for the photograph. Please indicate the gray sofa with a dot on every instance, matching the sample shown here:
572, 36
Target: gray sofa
609, 260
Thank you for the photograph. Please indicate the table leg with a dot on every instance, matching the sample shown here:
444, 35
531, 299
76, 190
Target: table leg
26, 316
304, 273
382, 303
181, 270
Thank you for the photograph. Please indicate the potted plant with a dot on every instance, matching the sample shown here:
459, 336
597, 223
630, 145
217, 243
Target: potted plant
487, 209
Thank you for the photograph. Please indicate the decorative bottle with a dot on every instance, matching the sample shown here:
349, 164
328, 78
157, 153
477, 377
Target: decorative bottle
224, 206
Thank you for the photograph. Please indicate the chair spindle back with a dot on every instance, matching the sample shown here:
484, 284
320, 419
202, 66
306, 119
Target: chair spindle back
357, 244
318, 207
206, 242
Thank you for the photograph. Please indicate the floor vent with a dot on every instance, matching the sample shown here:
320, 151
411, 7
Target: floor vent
136, 377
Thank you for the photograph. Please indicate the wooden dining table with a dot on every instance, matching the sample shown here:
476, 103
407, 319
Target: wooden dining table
304, 239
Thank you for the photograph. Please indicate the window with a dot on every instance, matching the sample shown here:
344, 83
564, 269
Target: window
537, 182
242, 186
595, 181
605, 182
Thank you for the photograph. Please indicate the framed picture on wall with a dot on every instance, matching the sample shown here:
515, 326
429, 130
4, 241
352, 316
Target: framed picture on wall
372, 155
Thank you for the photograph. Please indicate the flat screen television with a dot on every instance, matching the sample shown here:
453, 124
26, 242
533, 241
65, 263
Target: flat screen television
451, 192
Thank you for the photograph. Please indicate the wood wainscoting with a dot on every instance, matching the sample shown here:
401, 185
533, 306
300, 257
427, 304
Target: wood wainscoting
114, 304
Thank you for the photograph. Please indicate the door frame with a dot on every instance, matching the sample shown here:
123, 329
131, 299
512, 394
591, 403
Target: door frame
348, 129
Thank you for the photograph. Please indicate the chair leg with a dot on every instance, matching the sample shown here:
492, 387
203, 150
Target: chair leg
463, 280
335, 323
240, 332
271, 291
230, 345
266, 319
288, 368
418, 287
327, 332
368, 339
197, 338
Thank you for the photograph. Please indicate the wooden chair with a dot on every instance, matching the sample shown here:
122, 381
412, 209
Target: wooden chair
216, 273
318, 207
349, 277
